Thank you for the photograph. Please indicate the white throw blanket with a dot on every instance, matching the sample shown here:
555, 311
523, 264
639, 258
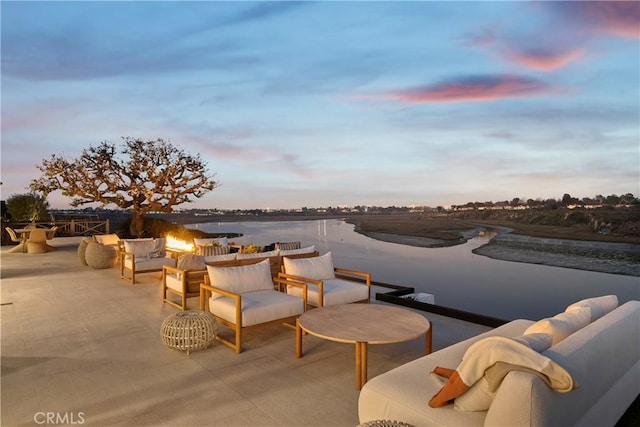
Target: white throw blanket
492, 358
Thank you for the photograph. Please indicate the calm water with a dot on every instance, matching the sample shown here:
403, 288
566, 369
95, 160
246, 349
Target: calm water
457, 277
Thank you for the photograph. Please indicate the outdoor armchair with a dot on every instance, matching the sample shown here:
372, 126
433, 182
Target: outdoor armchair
143, 256
244, 297
326, 284
185, 278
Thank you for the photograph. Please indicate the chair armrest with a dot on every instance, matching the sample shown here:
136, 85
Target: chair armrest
299, 279
170, 270
284, 282
206, 289
124, 254
366, 276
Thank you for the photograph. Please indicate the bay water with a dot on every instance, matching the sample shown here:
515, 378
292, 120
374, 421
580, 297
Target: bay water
457, 277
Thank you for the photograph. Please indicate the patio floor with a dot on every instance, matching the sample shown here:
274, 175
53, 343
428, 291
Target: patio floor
84, 344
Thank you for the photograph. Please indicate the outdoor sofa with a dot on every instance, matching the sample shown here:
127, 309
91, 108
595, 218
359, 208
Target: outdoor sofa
600, 353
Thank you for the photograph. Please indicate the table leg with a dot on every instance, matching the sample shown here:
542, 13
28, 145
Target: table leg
358, 366
298, 339
428, 339
361, 364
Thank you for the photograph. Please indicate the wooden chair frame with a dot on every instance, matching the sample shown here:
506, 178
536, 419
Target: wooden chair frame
189, 277
341, 273
132, 278
205, 291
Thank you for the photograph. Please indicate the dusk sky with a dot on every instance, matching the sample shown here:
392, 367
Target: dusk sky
316, 104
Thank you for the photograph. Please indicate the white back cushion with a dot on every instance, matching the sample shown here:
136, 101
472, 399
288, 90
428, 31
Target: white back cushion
562, 325
599, 306
242, 279
318, 268
140, 248
216, 258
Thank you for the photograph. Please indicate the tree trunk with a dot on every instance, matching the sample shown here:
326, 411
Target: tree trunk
137, 224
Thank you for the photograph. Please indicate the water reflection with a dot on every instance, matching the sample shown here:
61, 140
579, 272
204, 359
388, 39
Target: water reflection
457, 277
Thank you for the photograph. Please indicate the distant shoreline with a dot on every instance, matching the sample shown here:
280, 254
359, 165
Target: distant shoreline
514, 242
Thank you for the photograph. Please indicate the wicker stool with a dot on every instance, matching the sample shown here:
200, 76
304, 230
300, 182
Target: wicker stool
98, 255
384, 423
189, 330
82, 249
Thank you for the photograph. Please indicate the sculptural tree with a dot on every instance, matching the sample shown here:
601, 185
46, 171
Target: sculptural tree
142, 177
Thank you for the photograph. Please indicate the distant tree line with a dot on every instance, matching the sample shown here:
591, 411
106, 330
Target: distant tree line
566, 201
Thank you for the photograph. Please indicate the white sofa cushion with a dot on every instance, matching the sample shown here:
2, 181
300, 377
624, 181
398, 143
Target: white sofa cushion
318, 268
258, 307
334, 291
307, 250
258, 255
599, 306
149, 264
217, 258
562, 325
538, 341
241, 279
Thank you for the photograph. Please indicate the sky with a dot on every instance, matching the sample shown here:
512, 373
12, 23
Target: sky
317, 104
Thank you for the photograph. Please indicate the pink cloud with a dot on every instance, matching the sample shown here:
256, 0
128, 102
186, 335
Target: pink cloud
543, 60
472, 89
617, 18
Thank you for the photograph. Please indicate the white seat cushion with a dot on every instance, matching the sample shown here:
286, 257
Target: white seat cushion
335, 291
258, 307
147, 264
174, 282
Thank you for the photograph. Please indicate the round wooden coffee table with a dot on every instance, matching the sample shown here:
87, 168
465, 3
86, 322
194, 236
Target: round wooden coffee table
363, 324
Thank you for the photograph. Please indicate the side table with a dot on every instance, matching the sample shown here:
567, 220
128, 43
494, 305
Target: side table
189, 330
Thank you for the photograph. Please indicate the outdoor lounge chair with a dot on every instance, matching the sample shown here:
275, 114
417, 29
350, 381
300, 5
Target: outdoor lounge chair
185, 278
244, 297
37, 242
326, 285
143, 256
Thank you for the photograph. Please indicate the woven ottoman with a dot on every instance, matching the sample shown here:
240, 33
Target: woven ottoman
98, 255
82, 250
189, 330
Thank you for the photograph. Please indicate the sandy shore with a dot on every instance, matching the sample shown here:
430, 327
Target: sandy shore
604, 257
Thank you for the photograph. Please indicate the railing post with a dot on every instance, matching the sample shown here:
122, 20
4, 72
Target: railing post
107, 226
72, 228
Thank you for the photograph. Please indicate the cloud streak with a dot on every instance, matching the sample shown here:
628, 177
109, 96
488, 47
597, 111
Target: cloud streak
615, 18
470, 89
543, 59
